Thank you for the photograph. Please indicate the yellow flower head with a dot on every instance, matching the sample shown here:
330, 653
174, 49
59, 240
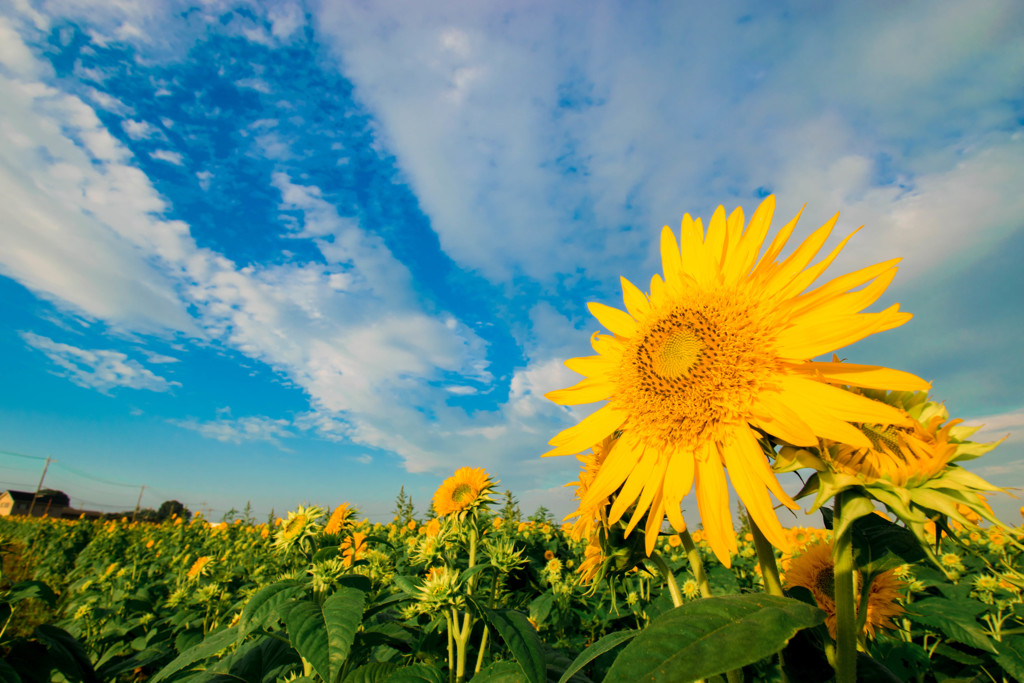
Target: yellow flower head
411, 525
352, 548
814, 571
199, 566
432, 528
596, 513
719, 349
910, 468
340, 518
462, 491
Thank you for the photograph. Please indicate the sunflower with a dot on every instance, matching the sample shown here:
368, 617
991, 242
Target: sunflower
465, 489
719, 350
814, 570
587, 519
341, 516
300, 528
198, 567
910, 468
352, 548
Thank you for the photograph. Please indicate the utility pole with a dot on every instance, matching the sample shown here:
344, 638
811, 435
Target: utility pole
39, 488
138, 502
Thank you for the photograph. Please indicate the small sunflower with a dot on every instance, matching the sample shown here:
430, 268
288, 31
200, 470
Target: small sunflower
199, 567
352, 548
718, 352
340, 518
814, 570
466, 489
596, 513
300, 528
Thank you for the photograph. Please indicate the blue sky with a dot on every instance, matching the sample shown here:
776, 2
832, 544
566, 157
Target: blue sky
296, 252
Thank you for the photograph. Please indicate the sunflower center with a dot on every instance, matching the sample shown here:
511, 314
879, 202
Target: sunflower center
696, 367
462, 493
679, 352
825, 581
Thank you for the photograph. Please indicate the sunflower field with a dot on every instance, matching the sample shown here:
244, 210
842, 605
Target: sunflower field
708, 386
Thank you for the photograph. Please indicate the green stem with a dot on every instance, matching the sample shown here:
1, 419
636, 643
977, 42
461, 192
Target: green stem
846, 617
480, 654
769, 574
766, 558
451, 644
673, 588
696, 564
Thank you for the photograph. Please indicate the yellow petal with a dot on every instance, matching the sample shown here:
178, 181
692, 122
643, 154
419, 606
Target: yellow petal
778, 419
753, 238
636, 302
670, 259
691, 248
586, 391
816, 335
625, 453
615, 321
634, 484
591, 366
767, 264
870, 376
652, 488
744, 461
713, 503
839, 285
799, 259
590, 430
654, 520
804, 279
843, 405
714, 243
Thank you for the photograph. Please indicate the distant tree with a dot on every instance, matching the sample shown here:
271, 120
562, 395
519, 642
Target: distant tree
170, 508
510, 510
542, 516
404, 508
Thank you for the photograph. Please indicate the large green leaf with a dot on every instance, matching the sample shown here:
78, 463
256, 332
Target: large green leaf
500, 672
263, 607
954, 618
8, 674
417, 673
213, 643
323, 635
522, 639
712, 636
24, 590
374, 672
66, 653
879, 545
609, 642
262, 660
1011, 656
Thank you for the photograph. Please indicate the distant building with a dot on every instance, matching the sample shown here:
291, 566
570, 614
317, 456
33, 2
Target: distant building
48, 504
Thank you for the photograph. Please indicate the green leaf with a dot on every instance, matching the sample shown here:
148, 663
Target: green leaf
263, 607
406, 583
382, 604
326, 554
1011, 656
343, 612
211, 644
263, 659
374, 672
712, 636
25, 590
954, 618
522, 639
540, 608
417, 673
66, 653
357, 581
609, 642
8, 673
879, 545
323, 635
500, 672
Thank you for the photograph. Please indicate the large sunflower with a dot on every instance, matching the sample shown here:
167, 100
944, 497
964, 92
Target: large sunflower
718, 350
466, 488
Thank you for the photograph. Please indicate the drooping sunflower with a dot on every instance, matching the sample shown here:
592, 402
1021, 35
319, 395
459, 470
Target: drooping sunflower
814, 570
342, 515
464, 490
911, 468
300, 528
719, 349
587, 519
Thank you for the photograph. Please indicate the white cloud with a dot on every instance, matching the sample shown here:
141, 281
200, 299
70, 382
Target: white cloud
999, 425
139, 130
531, 141
15, 56
240, 430
168, 156
98, 369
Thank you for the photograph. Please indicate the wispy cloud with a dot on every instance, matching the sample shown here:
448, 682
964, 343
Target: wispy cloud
168, 156
98, 369
240, 430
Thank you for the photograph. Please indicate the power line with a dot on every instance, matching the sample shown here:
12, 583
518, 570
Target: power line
80, 473
22, 455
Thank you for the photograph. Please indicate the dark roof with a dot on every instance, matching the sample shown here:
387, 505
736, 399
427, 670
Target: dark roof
26, 497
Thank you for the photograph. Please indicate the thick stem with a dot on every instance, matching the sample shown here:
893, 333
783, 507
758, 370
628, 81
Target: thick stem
846, 616
696, 564
673, 588
480, 654
451, 643
766, 558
